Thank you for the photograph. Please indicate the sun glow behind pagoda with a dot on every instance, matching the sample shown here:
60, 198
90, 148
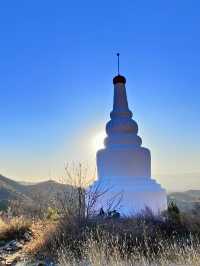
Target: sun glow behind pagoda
124, 166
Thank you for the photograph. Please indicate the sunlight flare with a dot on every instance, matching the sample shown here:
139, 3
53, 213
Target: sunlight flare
98, 140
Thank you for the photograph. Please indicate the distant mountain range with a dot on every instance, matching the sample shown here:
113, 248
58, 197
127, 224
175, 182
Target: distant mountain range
179, 182
186, 201
13, 190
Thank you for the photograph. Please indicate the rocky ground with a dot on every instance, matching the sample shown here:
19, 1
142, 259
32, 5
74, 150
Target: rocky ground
13, 253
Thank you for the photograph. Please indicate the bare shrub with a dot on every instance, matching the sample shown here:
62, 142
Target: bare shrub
74, 207
82, 198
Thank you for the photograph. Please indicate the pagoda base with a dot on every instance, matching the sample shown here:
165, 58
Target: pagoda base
131, 196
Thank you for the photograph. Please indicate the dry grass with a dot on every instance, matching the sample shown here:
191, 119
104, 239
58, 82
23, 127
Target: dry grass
136, 241
142, 241
109, 253
118, 242
13, 228
41, 232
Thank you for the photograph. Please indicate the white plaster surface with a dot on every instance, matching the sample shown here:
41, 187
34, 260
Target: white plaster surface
124, 167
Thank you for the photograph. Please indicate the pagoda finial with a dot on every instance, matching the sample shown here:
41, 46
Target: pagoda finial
118, 54
118, 78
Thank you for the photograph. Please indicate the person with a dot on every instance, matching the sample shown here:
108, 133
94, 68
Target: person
101, 212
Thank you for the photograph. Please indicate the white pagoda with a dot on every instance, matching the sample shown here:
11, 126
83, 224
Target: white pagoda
124, 166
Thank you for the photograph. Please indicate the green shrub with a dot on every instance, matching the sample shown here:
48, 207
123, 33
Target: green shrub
174, 212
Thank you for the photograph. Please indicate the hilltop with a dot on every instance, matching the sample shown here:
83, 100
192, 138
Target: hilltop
13, 190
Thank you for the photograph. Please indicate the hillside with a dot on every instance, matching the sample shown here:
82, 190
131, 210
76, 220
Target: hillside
186, 201
11, 190
45, 191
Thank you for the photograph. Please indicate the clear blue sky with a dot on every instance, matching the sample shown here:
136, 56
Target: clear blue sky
57, 61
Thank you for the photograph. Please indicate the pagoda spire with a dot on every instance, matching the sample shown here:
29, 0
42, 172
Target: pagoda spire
118, 54
120, 102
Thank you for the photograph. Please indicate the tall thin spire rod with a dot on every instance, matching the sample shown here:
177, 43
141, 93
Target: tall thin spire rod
118, 54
